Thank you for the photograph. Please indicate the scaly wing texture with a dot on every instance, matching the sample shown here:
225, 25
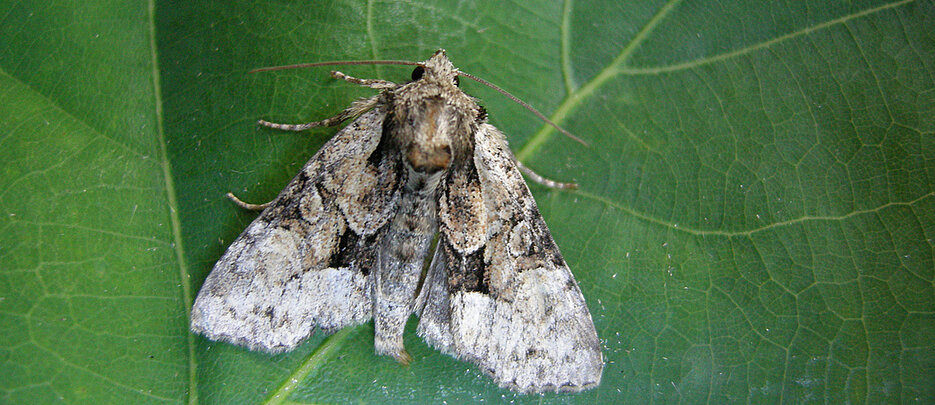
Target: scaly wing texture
305, 261
510, 303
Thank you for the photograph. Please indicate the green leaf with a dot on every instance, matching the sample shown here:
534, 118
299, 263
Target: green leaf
755, 221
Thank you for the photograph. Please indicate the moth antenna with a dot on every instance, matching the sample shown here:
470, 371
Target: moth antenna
333, 63
404, 62
523, 103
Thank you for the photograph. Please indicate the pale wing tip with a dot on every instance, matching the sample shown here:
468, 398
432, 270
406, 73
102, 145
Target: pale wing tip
556, 388
585, 380
229, 332
249, 344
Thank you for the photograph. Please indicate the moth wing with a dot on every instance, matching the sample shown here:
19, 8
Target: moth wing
498, 292
305, 261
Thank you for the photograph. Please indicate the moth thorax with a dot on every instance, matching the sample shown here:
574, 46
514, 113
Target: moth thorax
433, 124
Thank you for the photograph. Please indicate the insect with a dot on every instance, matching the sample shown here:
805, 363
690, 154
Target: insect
346, 242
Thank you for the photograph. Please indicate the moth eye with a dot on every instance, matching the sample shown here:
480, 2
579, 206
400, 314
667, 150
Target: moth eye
417, 73
457, 81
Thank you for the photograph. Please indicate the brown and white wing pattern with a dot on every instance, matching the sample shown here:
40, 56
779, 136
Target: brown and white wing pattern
498, 292
305, 261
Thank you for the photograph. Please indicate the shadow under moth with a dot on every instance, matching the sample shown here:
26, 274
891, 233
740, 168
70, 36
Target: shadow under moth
347, 239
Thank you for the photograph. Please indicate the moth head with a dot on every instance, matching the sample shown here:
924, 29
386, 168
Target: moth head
438, 69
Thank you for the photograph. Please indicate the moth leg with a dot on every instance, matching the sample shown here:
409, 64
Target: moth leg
536, 177
356, 108
371, 83
246, 205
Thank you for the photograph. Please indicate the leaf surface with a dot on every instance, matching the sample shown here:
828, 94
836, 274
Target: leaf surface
754, 222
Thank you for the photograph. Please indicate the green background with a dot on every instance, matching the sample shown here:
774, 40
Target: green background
755, 221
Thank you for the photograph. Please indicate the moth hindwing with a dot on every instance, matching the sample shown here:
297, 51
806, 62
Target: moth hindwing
346, 240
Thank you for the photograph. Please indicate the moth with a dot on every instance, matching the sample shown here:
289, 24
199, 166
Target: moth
347, 239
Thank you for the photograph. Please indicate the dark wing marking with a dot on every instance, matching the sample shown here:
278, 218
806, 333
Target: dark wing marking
509, 305
305, 261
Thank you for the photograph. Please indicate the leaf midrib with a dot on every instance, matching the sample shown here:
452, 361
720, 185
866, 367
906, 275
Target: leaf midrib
172, 201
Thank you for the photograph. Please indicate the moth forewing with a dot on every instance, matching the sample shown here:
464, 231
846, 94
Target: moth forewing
346, 240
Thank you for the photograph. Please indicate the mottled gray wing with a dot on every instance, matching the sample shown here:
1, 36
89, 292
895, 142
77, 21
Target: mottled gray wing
498, 292
305, 261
